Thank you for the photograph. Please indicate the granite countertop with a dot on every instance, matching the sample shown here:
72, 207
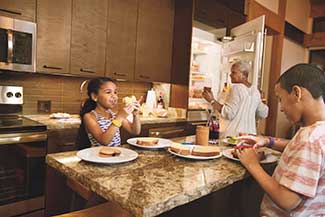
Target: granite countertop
74, 121
153, 183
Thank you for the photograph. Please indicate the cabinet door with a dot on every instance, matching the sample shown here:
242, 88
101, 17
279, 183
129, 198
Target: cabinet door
122, 27
154, 40
19, 9
53, 36
60, 140
88, 37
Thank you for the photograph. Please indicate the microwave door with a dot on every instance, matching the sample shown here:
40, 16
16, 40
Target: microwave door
24, 46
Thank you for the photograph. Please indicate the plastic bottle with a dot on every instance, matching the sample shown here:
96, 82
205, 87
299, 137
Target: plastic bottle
213, 128
160, 102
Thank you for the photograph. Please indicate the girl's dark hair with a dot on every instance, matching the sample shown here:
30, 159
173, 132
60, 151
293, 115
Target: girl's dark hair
304, 75
82, 140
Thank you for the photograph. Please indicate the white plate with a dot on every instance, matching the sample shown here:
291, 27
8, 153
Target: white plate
225, 140
162, 143
194, 157
60, 115
269, 158
91, 155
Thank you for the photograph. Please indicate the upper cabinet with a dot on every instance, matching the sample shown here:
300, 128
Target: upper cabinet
19, 9
121, 39
154, 40
53, 36
88, 37
129, 39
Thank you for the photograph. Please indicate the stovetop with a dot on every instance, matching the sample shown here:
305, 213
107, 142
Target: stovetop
17, 123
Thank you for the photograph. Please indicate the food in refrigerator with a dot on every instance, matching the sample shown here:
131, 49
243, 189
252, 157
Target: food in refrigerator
211, 60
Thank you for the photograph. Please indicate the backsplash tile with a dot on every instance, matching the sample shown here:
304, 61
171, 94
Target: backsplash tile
62, 91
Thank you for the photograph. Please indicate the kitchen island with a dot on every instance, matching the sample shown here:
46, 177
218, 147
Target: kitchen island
152, 184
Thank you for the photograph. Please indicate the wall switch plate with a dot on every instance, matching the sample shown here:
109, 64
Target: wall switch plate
44, 106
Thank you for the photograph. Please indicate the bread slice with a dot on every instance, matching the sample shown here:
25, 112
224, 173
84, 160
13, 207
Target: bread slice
260, 154
205, 151
129, 100
147, 141
108, 152
180, 149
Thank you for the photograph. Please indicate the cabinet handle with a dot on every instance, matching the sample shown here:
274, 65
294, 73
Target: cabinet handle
10, 48
69, 144
52, 67
87, 70
119, 74
144, 76
11, 12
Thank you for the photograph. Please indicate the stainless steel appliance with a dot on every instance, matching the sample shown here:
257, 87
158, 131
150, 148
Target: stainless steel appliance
22, 158
17, 45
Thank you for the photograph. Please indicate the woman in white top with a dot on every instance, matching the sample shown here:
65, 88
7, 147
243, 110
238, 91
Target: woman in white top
241, 106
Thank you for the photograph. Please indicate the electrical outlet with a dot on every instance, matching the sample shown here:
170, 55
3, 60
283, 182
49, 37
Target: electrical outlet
44, 106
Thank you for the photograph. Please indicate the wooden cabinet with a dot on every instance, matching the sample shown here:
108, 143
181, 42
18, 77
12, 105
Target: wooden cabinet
154, 40
121, 41
19, 9
88, 37
53, 36
60, 140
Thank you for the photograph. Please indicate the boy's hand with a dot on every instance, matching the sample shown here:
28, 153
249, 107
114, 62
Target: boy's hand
255, 141
248, 156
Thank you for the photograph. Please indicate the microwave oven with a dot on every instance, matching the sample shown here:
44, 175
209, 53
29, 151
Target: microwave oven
17, 45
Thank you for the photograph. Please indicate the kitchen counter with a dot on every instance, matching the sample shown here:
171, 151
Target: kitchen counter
74, 121
153, 183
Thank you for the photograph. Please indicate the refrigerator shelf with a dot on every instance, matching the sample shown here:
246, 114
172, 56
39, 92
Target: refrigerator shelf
198, 73
199, 52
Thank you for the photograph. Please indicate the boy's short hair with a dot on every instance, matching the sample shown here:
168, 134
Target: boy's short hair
304, 75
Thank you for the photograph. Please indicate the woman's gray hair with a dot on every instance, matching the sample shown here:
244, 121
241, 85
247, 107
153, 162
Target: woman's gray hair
243, 66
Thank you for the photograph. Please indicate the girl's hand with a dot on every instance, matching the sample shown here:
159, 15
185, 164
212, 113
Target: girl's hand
124, 112
136, 106
255, 141
248, 156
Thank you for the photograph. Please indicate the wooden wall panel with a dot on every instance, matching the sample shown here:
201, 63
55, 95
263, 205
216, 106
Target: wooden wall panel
314, 40
317, 10
273, 21
183, 22
63, 92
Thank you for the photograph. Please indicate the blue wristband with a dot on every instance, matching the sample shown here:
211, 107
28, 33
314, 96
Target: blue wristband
271, 143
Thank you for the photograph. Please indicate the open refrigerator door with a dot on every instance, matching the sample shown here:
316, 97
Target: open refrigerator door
247, 44
205, 67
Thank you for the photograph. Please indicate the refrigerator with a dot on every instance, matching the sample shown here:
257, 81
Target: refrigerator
211, 60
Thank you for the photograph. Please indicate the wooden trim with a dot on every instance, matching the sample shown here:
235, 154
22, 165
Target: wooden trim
275, 70
182, 39
317, 10
314, 40
179, 96
273, 21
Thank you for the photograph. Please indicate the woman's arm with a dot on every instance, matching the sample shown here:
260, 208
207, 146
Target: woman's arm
280, 195
216, 106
